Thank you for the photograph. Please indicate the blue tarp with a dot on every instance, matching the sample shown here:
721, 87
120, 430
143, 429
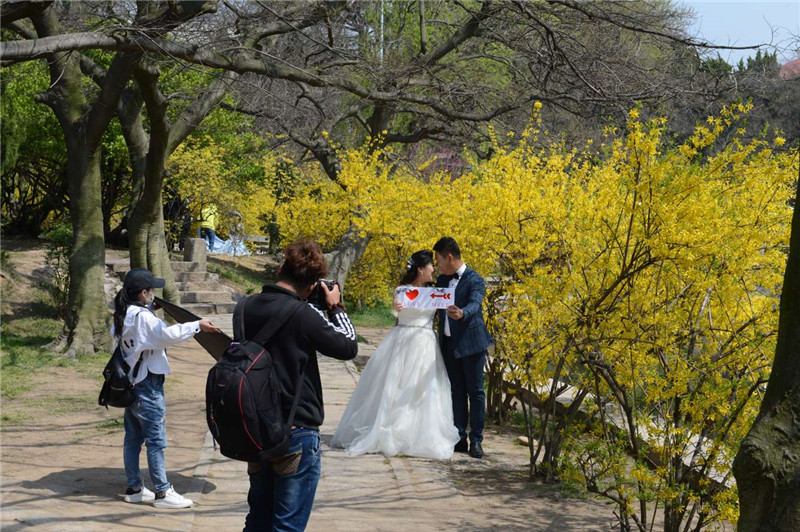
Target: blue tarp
228, 247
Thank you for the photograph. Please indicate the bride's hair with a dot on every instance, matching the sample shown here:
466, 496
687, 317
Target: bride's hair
420, 259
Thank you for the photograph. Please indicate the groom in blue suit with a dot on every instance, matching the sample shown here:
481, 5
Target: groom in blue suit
464, 340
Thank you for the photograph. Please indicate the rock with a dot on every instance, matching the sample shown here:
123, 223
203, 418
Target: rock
522, 440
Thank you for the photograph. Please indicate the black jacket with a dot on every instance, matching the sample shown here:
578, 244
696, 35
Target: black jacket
296, 343
468, 335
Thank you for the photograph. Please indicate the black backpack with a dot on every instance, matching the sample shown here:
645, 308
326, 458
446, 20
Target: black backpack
117, 389
243, 405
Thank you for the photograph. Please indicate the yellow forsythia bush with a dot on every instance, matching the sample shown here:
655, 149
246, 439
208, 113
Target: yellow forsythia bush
645, 274
202, 173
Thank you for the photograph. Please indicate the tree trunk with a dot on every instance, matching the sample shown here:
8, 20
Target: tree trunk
87, 322
495, 389
346, 254
147, 239
767, 469
149, 246
129, 112
767, 466
146, 225
84, 123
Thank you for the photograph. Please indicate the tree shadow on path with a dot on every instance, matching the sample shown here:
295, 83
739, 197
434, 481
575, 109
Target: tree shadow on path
88, 485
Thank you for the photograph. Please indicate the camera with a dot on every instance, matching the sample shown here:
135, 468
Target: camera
317, 297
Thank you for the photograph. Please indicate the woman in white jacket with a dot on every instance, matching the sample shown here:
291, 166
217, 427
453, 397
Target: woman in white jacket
143, 338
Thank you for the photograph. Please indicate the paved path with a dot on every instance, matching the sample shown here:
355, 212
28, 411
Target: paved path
65, 473
375, 493
368, 492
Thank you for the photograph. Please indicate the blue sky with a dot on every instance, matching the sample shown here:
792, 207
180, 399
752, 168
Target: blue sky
744, 23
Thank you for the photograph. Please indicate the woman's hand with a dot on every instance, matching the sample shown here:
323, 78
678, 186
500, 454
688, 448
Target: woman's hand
398, 306
207, 326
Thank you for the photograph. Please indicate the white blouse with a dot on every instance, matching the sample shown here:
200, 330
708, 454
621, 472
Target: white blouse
144, 333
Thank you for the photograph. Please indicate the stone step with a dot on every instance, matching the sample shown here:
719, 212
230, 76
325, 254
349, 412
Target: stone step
199, 286
205, 297
182, 277
197, 280
200, 291
185, 266
204, 309
119, 265
184, 272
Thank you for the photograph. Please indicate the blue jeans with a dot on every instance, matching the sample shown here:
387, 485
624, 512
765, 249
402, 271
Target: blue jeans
145, 422
209, 235
283, 503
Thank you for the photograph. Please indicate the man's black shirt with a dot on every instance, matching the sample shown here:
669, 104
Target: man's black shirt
296, 344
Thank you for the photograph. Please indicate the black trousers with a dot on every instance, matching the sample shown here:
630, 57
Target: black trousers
466, 386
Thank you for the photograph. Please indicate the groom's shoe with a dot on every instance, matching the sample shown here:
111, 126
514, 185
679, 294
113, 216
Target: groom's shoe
461, 446
475, 450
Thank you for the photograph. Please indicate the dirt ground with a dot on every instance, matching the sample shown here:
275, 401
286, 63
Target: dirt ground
62, 468
61, 465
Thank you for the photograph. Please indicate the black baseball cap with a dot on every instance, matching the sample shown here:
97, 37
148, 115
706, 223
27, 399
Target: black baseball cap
139, 279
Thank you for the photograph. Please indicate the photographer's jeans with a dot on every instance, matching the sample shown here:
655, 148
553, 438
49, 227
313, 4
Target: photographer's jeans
145, 422
283, 503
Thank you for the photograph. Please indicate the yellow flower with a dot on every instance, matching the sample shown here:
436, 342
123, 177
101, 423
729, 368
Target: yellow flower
644, 259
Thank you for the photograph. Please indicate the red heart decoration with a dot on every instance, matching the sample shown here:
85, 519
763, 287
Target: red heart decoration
412, 294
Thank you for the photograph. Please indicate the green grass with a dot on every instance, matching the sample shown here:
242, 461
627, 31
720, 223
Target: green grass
248, 281
378, 316
24, 333
7, 265
63, 404
518, 421
27, 327
14, 417
243, 279
110, 425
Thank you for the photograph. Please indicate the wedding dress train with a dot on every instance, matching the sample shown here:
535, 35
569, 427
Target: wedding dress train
402, 402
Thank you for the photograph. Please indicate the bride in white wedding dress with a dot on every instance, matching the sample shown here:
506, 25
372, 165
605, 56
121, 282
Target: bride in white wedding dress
402, 403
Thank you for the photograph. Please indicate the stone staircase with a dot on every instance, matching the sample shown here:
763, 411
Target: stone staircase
200, 291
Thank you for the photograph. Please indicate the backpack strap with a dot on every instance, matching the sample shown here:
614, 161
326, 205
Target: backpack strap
299, 384
296, 399
271, 327
263, 336
238, 319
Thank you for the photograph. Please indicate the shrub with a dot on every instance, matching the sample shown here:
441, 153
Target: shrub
59, 249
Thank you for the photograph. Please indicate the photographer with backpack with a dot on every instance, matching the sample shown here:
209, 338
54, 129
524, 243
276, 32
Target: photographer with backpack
282, 490
143, 337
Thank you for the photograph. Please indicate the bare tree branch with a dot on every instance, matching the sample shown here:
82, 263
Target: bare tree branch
14, 10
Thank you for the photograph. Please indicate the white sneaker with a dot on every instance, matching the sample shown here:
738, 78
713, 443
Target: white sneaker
172, 499
143, 495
